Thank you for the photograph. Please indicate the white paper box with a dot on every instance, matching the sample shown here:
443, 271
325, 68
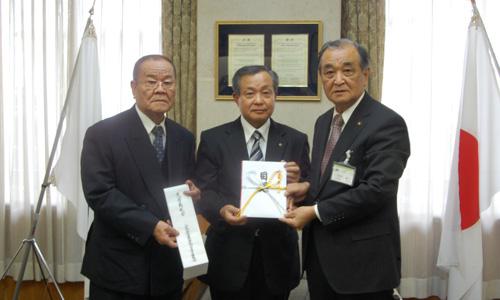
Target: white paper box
189, 241
263, 185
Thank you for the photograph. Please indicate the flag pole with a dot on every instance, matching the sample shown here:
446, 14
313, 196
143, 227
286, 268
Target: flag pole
30, 242
490, 48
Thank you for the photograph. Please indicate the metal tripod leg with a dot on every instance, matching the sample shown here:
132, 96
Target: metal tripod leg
44, 278
24, 262
40, 258
29, 243
13, 259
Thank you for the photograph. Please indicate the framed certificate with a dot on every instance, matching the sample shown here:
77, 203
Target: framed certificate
290, 48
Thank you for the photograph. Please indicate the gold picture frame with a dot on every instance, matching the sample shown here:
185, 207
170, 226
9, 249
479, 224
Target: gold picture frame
288, 47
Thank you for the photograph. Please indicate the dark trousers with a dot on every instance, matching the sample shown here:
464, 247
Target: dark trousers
255, 287
318, 286
100, 293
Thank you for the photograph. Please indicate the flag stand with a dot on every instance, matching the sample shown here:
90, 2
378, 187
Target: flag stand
30, 242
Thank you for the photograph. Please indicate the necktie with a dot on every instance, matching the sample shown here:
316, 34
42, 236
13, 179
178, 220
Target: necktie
158, 142
256, 153
335, 131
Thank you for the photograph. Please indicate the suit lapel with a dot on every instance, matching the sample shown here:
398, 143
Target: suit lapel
173, 143
236, 143
354, 126
276, 143
142, 151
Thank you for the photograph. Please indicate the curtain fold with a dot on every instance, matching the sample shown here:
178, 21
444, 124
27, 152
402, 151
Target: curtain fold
39, 41
2, 155
33, 83
424, 56
179, 44
363, 21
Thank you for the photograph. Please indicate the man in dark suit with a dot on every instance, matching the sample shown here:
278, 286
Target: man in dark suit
248, 258
360, 148
126, 162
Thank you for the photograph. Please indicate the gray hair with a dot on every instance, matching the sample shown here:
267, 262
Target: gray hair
252, 70
141, 60
364, 60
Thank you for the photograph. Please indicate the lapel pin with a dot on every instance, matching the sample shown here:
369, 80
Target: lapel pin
280, 144
359, 123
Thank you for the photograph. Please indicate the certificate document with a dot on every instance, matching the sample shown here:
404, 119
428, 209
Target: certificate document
244, 50
189, 241
289, 59
263, 186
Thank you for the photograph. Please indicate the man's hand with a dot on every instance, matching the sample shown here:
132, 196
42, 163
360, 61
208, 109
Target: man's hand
295, 193
299, 217
165, 234
230, 214
194, 192
292, 172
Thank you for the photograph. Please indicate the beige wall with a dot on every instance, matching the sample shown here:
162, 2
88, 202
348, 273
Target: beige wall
298, 114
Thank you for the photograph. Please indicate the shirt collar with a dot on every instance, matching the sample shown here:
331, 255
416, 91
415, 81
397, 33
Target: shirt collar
147, 122
248, 129
348, 112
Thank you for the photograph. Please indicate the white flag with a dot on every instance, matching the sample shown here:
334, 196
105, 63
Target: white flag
83, 109
475, 172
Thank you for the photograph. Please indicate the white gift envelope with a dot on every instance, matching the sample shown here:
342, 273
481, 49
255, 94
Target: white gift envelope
263, 185
189, 241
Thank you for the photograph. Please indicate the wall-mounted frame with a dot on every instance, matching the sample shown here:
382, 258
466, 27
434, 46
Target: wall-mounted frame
290, 48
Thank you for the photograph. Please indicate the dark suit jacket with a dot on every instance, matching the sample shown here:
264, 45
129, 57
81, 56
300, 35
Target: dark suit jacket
229, 248
358, 240
123, 183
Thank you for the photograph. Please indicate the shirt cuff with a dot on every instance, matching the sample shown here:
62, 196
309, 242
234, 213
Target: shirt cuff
317, 212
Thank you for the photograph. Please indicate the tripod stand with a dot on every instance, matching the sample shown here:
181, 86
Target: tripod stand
30, 242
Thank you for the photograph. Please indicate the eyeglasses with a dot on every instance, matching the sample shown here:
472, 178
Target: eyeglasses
153, 84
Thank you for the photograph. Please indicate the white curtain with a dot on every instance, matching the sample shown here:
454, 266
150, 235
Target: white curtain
423, 67
39, 41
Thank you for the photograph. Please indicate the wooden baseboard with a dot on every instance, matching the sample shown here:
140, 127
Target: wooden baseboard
36, 290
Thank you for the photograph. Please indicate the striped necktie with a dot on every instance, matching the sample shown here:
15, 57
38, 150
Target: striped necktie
256, 153
336, 129
158, 142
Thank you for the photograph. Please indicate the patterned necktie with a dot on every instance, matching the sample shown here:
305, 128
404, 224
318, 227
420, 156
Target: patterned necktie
335, 131
256, 153
158, 142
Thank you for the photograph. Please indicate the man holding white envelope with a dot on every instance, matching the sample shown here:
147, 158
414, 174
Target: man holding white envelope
127, 160
250, 258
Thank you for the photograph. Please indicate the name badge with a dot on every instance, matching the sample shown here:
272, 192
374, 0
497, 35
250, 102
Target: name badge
343, 172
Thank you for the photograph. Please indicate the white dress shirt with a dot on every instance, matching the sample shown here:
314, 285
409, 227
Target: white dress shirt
149, 125
248, 129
